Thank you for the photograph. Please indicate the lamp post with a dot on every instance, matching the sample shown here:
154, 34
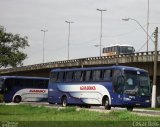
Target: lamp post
148, 37
147, 25
44, 31
97, 45
127, 19
69, 22
100, 44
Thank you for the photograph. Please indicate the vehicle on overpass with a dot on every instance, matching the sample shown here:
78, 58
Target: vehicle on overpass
19, 88
114, 86
117, 50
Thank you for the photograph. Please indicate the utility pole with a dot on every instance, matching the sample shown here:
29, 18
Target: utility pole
155, 70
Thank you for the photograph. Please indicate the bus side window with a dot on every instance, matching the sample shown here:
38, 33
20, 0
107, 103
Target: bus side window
9, 83
77, 76
45, 84
20, 82
42, 84
117, 81
112, 49
60, 77
53, 76
33, 85
103, 50
96, 75
87, 76
69, 76
29, 83
107, 75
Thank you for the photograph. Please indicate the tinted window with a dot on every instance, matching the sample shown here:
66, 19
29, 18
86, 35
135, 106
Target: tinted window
69, 76
104, 50
87, 75
1, 83
117, 81
96, 75
54, 76
29, 83
41, 83
112, 49
9, 83
77, 76
107, 75
60, 77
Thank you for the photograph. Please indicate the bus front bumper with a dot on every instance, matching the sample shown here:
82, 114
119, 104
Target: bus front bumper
137, 102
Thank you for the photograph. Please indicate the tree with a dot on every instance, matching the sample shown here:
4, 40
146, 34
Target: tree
11, 49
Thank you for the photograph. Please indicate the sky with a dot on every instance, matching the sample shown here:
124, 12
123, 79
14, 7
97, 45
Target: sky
29, 17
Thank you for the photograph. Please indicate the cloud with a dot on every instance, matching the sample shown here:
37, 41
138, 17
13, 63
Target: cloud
28, 17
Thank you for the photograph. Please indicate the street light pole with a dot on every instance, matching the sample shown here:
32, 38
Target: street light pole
127, 19
100, 45
69, 37
147, 25
44, 31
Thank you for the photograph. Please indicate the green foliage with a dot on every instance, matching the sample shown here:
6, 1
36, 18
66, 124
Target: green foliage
11, 47
33, 116
34, 113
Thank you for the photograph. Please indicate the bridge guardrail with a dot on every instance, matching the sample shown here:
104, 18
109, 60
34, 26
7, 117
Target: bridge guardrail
122, 58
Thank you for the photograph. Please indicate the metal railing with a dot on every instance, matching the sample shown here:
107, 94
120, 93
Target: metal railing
122, 58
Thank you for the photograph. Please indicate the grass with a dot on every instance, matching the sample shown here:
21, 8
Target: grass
42, 116
157, 109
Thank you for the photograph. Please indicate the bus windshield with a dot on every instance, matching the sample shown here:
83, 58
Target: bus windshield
126, 49
137, 83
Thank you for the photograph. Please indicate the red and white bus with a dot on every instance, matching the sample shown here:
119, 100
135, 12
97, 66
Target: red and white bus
20, 88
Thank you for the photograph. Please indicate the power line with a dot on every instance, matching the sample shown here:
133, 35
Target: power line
145, 43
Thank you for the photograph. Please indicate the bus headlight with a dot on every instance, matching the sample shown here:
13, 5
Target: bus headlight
147, 101
50, 89
126, 99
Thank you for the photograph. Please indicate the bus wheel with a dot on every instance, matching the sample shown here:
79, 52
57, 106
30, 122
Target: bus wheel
17, 99
106, 104
64, 101
87, 106
130, 108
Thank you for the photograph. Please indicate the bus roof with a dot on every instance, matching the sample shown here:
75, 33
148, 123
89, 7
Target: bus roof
23, 77
119, 45
104, 67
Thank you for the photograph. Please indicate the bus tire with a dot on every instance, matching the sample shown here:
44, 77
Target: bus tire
129, 108
87, 106
17, 99
105, 103
64, 101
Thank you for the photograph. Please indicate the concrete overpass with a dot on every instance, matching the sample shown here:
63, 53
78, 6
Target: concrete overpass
142, 60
